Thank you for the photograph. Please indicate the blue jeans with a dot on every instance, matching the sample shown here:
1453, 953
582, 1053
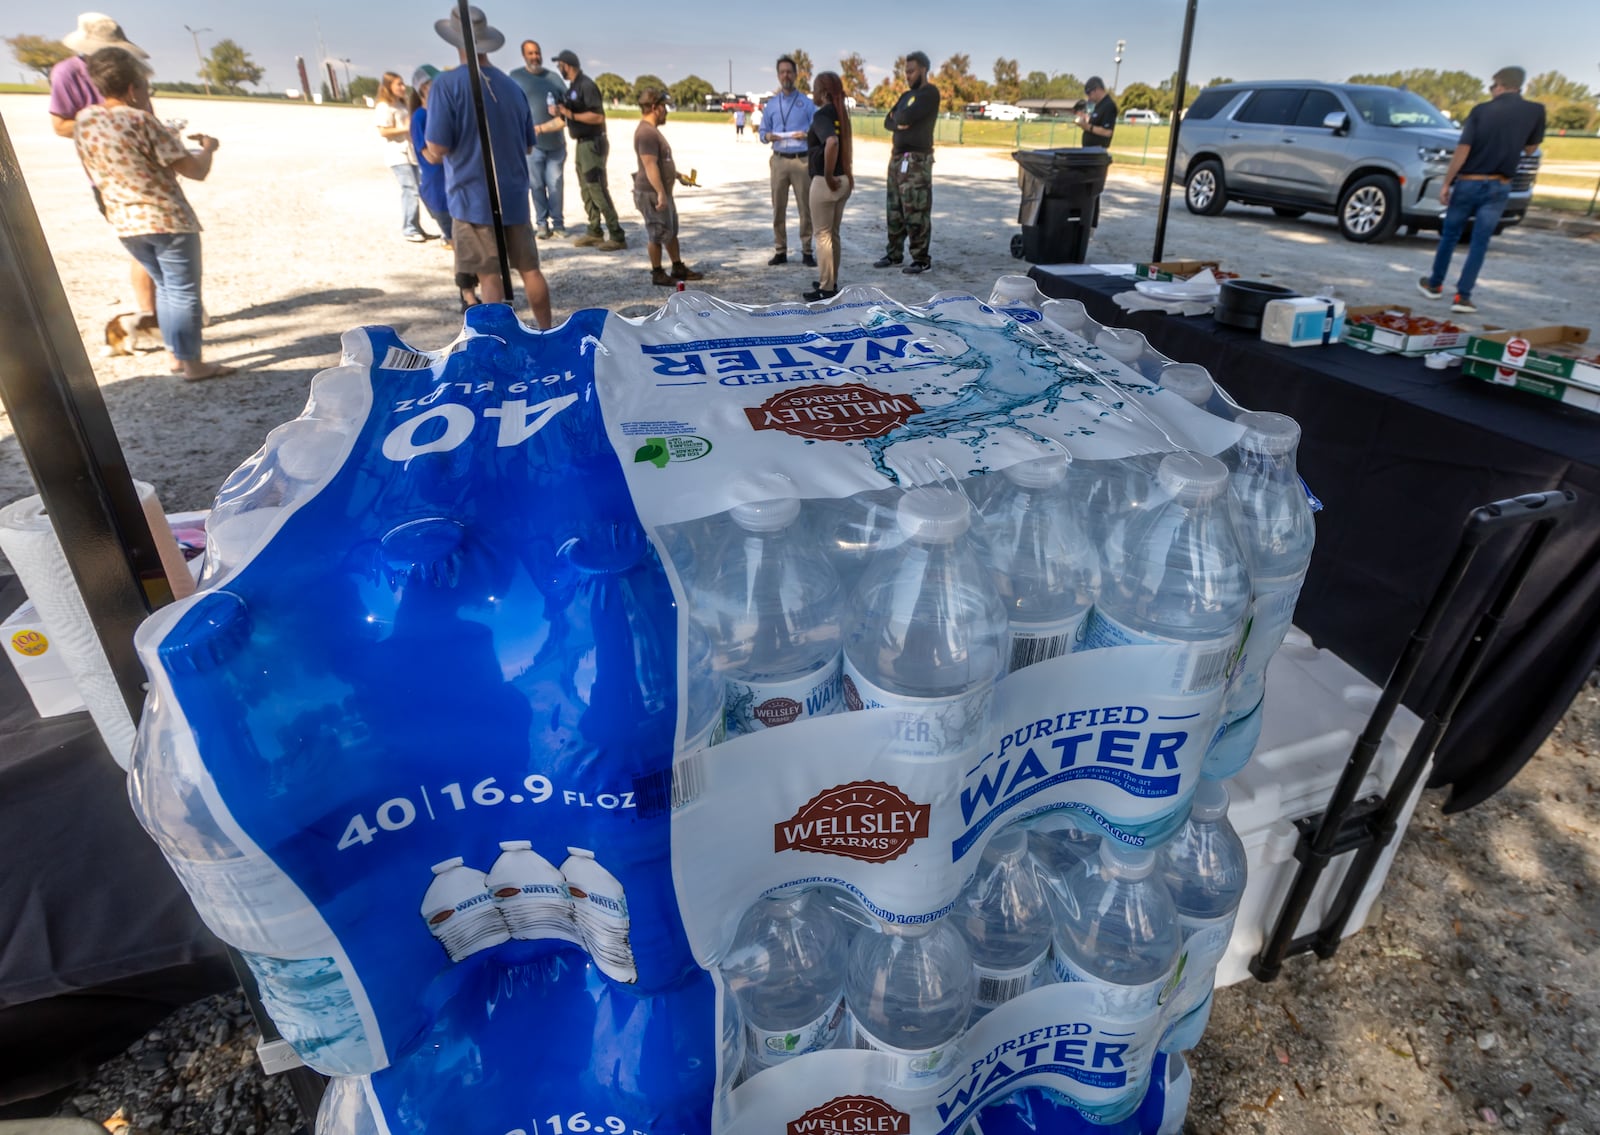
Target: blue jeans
1482, 202
545, 176
173, 261
410, 198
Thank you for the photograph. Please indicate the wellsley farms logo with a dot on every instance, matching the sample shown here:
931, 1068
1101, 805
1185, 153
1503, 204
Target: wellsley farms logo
865, 820
852, 1115
852, 412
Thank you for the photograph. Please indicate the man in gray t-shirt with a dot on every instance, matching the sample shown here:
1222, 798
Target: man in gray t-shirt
548, 160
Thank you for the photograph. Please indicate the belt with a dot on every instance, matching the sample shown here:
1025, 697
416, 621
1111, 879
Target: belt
913, 153
786, 154
1481, 177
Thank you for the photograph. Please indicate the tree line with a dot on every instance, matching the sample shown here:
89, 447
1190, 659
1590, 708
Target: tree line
228, 66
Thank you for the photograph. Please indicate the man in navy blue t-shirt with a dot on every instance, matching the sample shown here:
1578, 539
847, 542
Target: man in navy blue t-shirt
453, 140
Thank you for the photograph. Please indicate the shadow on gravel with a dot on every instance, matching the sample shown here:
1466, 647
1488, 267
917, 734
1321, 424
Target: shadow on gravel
1472, 992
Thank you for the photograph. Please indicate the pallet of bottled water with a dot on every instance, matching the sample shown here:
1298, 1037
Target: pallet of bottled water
809, 719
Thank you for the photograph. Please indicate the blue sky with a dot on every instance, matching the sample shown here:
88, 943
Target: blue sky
1236, 38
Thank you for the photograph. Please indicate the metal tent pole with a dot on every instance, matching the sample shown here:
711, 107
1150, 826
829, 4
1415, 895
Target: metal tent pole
1182, 84
470, 44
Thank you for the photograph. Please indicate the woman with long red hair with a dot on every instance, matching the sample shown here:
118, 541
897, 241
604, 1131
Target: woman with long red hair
829, 159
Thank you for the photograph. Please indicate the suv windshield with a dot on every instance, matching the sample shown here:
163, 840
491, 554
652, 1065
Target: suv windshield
1384, 106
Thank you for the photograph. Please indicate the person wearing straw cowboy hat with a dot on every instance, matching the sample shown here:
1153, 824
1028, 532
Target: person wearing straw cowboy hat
71, 90
453, 141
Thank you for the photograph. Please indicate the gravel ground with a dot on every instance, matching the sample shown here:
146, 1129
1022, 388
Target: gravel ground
1468, 1004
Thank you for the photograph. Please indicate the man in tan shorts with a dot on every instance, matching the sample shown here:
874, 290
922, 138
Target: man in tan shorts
653, 182
452, 136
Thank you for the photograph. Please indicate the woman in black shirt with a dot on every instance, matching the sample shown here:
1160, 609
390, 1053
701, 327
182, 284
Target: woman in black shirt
828, 155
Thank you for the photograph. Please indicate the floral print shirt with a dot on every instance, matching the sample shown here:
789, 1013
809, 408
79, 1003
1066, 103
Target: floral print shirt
129, 154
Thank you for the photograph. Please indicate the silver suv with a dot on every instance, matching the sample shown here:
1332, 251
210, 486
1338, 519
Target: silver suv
1371, 156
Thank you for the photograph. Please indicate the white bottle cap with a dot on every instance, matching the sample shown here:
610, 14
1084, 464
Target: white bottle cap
343, 392
306, 449
1039, 473
1070, 314
581, 852
1126, 862
1210, 801
1014, 288
516, 845
1122, 343
1192, 475
1266, 432
1189, 381
935, 515
766, 516
448, 865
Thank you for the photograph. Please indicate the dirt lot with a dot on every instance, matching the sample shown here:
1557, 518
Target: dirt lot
1471, 1002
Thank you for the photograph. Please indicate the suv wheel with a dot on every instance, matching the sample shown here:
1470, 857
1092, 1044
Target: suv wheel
1369, 211
1204, 191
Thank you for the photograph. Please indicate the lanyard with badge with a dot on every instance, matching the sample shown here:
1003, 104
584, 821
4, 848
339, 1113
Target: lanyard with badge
783, 116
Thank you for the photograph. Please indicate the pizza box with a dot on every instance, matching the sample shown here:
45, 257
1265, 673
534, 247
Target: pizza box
1551, 352
1579, 396
1173, 269
1385, 341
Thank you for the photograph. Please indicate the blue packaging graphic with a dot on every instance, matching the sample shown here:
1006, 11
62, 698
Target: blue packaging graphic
438, 746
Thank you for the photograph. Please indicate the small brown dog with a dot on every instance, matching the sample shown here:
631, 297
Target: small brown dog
131, 333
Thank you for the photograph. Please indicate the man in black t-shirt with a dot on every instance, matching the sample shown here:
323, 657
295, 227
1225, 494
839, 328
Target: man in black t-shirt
1099, 119
584, 112
1477, 184
910, 193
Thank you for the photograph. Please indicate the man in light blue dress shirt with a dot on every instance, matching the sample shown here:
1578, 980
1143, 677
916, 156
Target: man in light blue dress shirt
784, 122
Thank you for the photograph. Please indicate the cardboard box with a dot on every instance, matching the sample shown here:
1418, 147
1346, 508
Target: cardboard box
39, 665
1304, 321
1571, 395
1173, 269
1382, 340
1553, 352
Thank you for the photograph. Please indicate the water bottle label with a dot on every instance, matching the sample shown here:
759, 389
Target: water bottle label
471, 924
1029, 643
923, 727
1118, 1001
603, 922
754, 706
1204, 665
1205, 941
997, 986
534, 911
1271, 613
773, 1046
912, 1067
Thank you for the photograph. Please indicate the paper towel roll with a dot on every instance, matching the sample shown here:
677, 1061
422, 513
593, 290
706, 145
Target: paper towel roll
31, 545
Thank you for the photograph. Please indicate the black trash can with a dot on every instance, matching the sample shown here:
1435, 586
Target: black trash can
1060, 203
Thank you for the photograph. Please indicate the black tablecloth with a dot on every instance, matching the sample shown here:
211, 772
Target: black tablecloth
1400, 455
100, 941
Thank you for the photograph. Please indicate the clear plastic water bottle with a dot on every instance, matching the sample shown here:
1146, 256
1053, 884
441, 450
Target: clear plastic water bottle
1189, 381
1045, 566
708, 723
910, 990
1117, 929
1205, 869
241, 894
786, 971
1183, 577
1059, 843
1069, 315
855, 530
1275, 526
772, 604
1132, 350
927, 629
1004, 917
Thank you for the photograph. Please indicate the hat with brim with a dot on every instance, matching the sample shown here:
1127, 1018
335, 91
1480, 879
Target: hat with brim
485, 38
96, 30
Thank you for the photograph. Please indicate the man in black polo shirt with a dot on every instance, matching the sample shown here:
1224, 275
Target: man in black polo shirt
1099, 120
911, 124
1478, 182
584, 112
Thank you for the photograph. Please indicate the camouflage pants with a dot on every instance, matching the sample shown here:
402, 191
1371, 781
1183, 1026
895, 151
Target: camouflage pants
910, 205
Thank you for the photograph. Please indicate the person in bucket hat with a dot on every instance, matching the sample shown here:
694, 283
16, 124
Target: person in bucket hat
453, 141
71, 90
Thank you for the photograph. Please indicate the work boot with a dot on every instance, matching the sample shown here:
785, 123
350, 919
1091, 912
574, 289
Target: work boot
587, 240
614, 243
681, 271
661, 278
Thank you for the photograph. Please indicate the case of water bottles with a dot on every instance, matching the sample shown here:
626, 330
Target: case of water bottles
806, 718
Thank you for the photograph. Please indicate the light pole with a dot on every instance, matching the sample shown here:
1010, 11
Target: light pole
1117, 59
204, 78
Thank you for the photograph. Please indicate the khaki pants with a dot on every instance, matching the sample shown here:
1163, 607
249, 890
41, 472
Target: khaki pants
827, 207
790, 172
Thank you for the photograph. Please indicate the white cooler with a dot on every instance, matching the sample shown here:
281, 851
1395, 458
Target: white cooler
1316, 707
